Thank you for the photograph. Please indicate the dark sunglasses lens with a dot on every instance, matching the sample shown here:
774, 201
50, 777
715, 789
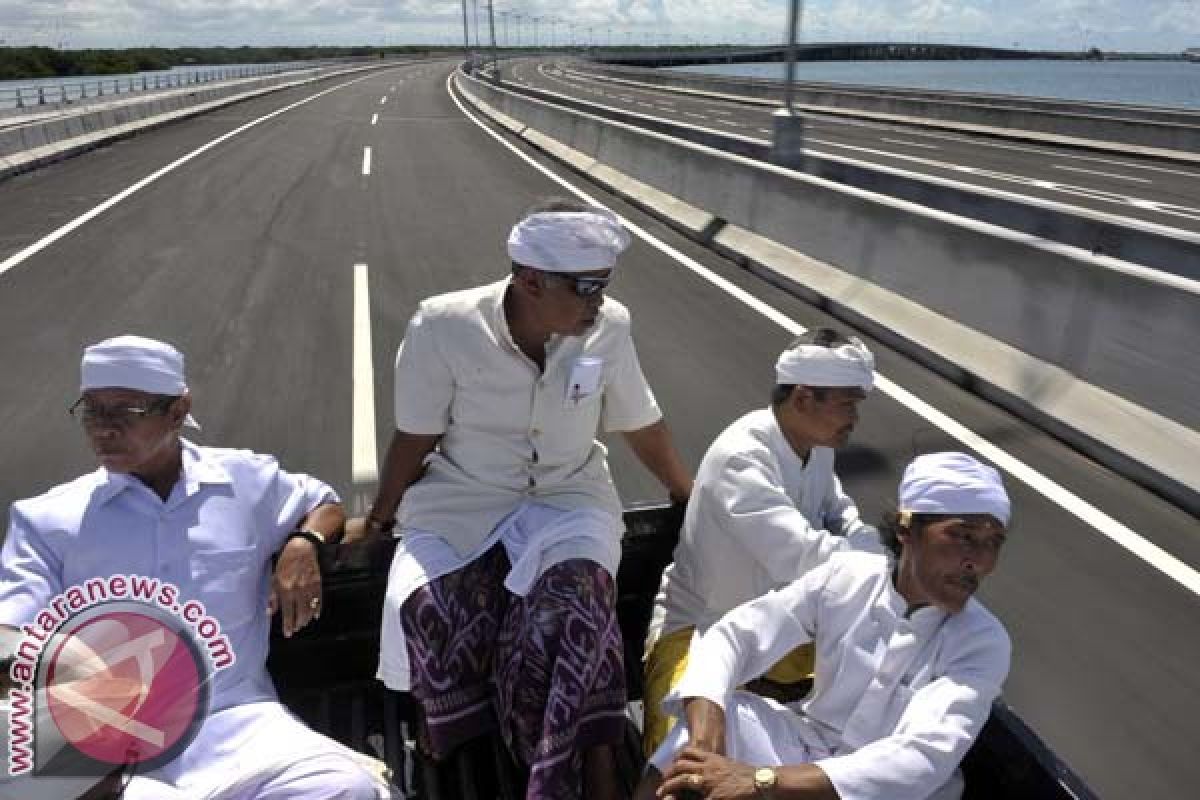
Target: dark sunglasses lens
587, 288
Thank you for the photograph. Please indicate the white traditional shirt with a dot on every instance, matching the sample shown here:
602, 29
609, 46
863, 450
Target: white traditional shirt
759, 518
213, 538
898, 698
511, 432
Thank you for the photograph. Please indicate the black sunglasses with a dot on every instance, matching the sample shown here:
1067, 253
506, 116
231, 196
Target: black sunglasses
584, 287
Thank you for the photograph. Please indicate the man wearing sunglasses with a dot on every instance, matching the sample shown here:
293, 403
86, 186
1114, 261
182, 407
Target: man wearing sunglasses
501, 603
226, 528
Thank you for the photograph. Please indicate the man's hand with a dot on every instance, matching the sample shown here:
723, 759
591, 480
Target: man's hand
296, 585
712, 776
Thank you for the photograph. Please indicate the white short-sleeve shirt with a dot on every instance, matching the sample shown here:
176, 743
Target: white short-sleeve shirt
509, 431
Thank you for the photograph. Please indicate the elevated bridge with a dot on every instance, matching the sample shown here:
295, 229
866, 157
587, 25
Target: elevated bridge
822, 51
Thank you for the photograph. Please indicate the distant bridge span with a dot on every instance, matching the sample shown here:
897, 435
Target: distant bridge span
823, 51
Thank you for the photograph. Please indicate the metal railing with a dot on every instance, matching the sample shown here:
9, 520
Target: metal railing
65, 93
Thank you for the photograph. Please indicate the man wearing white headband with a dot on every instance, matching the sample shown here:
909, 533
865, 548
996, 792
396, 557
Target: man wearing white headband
209, 522
767, 508
908, 662
500, 609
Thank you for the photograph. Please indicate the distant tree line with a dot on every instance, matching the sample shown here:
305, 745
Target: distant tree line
18, 63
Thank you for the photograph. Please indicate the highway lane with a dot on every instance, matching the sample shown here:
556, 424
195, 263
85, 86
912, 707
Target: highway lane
1139, 189
245, 258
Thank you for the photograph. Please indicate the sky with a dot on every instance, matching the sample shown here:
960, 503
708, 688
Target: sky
1131, 25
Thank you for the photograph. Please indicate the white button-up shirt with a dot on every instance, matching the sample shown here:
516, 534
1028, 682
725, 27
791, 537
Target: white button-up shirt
509, 431
213, 538
759, 517
897, 699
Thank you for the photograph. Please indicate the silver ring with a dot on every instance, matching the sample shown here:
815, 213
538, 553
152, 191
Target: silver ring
315, 603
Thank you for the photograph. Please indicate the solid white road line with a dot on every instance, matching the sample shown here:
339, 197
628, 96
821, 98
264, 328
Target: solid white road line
364, 463
909, 144
374, 118
1101, 522
383, 100
59, 233
366, 161
1105, 174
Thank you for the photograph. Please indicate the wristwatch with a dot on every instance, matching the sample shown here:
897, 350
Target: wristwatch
316, 537
764, 781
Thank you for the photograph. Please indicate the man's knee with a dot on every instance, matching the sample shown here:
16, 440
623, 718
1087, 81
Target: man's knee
360, 786
328, 777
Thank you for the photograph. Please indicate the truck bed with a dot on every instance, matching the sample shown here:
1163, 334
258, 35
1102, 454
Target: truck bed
325, 675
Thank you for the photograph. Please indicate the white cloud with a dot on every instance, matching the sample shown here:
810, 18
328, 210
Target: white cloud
1111, 24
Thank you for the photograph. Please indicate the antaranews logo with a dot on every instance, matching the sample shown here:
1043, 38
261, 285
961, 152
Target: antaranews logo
113, 672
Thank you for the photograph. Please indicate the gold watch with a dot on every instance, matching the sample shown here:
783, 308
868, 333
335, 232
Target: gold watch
764, 781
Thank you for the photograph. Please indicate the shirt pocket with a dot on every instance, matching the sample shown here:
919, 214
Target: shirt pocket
227, 583
585, 383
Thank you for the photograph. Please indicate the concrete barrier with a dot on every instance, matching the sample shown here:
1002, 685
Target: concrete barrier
1097, 350
1169, 249
28, 146
766, 87
1161, 131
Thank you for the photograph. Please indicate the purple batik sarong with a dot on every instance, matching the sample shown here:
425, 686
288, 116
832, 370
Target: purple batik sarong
549, 665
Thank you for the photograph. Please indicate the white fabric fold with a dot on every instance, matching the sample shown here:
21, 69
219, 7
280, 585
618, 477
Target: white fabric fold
952, 483
568, 241
846, 365
535, 536
135, 362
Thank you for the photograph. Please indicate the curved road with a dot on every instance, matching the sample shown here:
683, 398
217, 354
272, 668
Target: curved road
245, 256
1147, 190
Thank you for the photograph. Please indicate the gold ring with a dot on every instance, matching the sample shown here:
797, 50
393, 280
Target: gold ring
695, 780
315, 603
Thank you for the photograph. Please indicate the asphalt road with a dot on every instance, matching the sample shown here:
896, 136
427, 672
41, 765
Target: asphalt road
244, 257
1142, 189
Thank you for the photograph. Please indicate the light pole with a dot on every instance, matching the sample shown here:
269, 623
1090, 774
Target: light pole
466, 33
504, 19
492, 31
788, 147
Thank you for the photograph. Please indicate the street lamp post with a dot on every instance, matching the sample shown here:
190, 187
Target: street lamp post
466, 33
504, 15
788, 147
492, 32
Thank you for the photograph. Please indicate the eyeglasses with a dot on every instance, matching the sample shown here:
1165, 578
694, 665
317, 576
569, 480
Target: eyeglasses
119, 417
584, 287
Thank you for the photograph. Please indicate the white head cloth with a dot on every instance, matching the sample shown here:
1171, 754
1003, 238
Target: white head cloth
952, 483
846, 365
568, 241
134, 362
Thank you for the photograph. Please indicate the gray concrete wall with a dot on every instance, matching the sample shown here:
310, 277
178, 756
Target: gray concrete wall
1102, 348
1170, 250
1165, 130
28, 146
